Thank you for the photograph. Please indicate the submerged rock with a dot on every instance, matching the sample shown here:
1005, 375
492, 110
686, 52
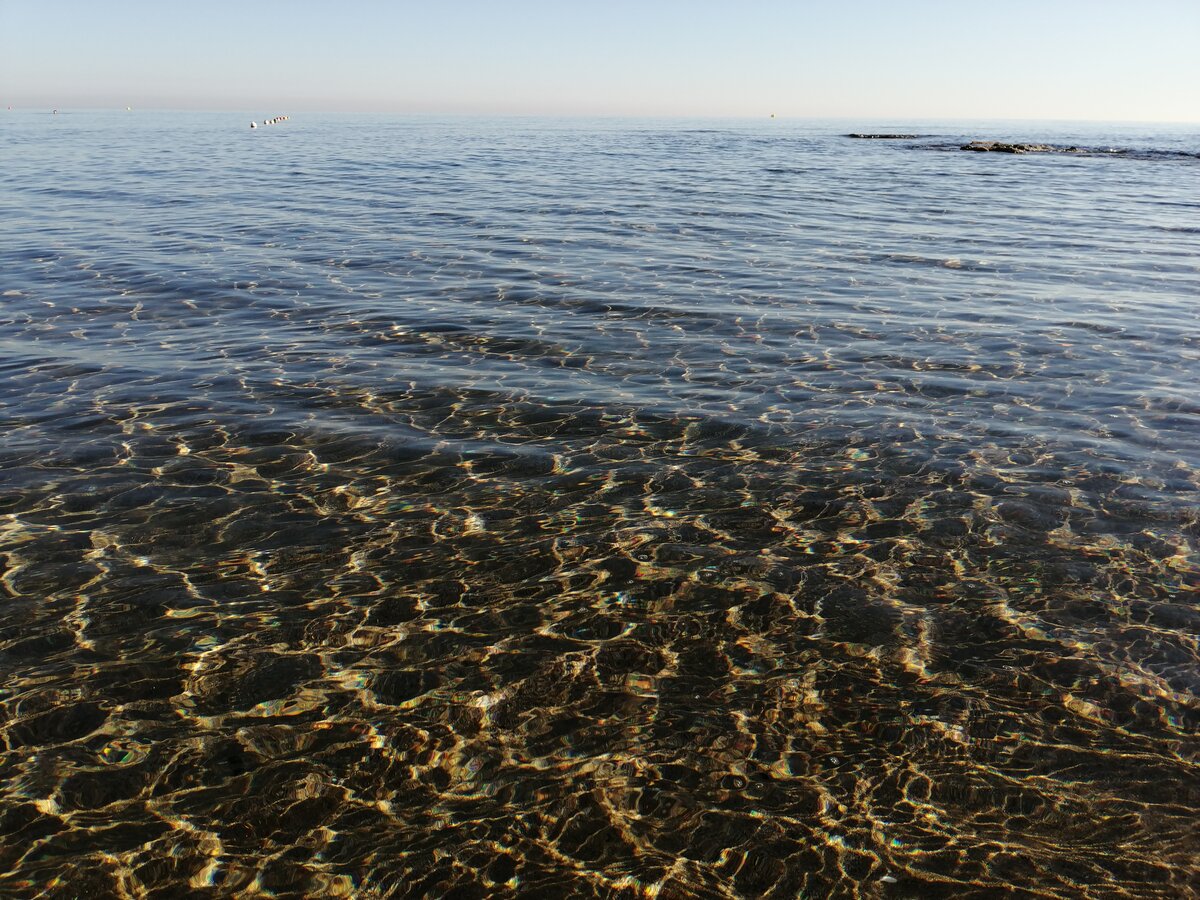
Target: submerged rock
1002, 147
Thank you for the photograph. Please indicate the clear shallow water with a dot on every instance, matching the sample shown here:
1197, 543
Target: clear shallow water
543, 508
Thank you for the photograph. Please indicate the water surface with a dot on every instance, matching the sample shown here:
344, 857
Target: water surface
414, 507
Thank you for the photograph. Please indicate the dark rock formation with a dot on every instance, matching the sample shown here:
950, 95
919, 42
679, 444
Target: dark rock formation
1001, 147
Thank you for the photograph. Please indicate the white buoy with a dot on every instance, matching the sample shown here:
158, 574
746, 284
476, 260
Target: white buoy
253, 124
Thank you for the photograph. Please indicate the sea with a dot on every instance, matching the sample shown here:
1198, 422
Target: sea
613, 508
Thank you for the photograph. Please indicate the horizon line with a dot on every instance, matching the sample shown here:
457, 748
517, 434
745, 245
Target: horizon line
605, 115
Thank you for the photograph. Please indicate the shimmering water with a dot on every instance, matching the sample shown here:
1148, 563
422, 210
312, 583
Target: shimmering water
615, 509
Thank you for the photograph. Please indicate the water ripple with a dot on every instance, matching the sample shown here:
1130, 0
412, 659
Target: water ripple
408, 507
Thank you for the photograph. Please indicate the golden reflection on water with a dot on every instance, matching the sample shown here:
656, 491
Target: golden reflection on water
665, 660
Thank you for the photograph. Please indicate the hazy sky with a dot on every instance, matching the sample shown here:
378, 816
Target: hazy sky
1069, 59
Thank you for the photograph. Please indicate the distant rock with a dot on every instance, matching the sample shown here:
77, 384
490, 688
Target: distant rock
882, 137
1002, 147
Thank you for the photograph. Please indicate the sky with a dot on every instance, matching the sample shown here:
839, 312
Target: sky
1105, 60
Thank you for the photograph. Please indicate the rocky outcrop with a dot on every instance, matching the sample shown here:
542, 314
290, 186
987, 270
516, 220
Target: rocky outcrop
1002, 147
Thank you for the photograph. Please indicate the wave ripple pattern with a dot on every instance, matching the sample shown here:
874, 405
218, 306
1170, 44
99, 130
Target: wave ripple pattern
401, 508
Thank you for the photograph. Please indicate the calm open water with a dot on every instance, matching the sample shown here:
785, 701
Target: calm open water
413, 507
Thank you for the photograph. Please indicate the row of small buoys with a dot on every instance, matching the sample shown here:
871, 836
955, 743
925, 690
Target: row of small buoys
274, 121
